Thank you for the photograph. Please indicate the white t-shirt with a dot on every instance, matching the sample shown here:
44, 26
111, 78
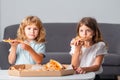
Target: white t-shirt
89, 54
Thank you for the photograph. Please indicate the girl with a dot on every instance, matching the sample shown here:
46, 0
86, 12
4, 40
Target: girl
88, 48
29, 47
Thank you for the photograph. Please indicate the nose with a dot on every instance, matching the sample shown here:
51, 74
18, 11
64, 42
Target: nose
32, 30
84, 33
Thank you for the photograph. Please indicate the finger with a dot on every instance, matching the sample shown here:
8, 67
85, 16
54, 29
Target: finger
84, 72
79, 72
74, 67
77, 43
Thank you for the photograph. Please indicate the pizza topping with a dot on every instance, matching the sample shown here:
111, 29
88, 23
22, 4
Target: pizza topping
53, 65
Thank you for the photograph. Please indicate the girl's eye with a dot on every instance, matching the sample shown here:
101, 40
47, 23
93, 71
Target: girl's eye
29, 28
89, 30
81, 30
35, 28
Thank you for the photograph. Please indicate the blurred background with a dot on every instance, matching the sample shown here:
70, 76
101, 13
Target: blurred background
58, 11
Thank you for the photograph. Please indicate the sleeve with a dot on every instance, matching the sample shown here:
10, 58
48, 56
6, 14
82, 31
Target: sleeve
72, 49
9, 49
41, 49
102, 49
18, 47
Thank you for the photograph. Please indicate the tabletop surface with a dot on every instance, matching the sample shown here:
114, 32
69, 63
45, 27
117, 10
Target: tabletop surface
88, 76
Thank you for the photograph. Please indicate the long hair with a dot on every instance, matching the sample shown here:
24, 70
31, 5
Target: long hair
30, 20
93, 25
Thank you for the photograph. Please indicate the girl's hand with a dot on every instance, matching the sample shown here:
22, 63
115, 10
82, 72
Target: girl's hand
80, 70
14, 43
74, 67
25, 46
77, 42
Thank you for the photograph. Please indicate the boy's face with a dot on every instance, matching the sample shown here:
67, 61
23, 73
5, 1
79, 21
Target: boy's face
85, 33
31, 32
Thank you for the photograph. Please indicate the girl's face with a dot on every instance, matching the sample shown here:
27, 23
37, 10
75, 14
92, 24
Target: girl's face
85, 33
31, 32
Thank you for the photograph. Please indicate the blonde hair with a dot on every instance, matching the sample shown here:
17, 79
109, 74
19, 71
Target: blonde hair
30, 20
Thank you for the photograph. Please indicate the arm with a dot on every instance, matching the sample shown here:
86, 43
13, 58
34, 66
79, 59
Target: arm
12, 54
94, 67
101, 51
35, 56
75, 61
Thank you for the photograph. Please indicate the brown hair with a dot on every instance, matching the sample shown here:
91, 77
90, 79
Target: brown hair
29, 20
93, 25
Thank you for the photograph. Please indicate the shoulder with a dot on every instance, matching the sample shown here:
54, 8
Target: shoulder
101, 48
39, 47
40, 44
33, 43
100, 44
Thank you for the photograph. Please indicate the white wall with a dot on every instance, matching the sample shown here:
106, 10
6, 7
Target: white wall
0, 20
13, 11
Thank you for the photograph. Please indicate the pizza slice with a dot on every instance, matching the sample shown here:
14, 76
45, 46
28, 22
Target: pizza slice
7, 40
54, 65
12, 40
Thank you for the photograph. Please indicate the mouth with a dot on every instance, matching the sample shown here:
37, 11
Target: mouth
31, 35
